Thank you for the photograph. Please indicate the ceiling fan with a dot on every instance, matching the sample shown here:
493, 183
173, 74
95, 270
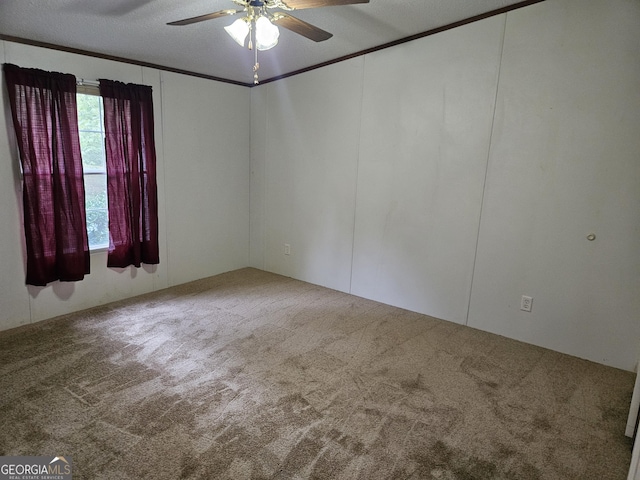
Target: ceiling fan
261, 26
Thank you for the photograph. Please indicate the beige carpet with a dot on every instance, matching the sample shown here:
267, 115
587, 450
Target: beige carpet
253, 375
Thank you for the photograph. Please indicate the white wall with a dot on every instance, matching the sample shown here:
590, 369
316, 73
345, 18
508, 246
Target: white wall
424, 143
14, 300
482, 159
206, 131
565, 163
305, 135
192, 198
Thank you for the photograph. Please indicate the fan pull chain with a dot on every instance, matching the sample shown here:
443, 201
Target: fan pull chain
256, 65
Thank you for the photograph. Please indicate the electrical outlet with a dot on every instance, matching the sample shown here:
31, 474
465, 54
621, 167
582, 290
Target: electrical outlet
526, 303
287, 249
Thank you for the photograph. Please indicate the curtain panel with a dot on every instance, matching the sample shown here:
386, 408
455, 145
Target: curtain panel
43, 108
131, 174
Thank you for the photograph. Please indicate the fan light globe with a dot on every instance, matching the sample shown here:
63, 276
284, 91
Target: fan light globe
238, 30
266, 34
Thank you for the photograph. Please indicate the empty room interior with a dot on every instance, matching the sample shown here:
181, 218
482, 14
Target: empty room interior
420, 261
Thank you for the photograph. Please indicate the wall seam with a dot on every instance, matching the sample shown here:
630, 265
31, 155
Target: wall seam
486, 171
355, 196
264, 150
250, 175
164, 177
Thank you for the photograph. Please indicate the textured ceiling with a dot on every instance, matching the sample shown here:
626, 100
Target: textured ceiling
137, 30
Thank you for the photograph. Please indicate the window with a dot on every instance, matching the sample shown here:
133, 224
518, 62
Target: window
91, 129
56, 125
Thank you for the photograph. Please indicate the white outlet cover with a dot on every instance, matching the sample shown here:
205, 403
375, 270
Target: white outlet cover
526, 303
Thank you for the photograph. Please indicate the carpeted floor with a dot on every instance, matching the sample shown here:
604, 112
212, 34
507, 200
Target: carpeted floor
253, 375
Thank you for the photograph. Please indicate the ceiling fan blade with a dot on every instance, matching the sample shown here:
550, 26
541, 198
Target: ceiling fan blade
300, 4
300, 27
202, 18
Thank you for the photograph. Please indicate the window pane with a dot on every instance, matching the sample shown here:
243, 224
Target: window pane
97, 214
95, 190
89, 112
92, 147
98, 228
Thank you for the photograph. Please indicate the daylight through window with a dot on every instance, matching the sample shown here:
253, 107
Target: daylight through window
91, 128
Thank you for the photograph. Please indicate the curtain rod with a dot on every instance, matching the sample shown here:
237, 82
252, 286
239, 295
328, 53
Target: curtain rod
87, 83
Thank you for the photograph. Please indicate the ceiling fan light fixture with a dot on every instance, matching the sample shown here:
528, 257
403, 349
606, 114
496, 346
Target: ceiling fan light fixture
266, 34
238, 30
258, 24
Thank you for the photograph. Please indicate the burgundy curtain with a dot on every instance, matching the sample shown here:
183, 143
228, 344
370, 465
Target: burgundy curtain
43, 106
131, 174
